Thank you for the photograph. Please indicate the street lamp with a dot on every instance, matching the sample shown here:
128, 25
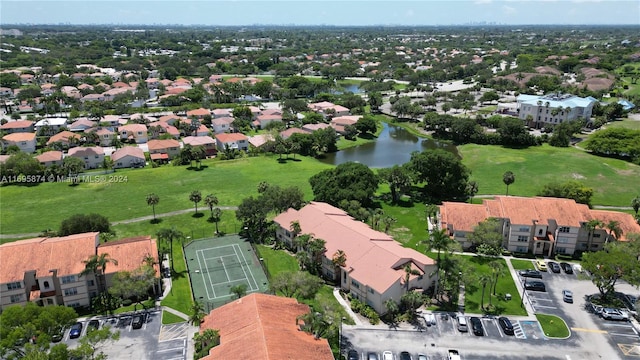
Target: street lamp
342, 319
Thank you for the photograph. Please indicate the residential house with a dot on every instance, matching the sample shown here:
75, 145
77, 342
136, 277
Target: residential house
41, 275
164, 128
128, 157
539, 225
218, 113
290, 131
374, 271
169, 119
111, 120
328, 109
18, 126
50, 158
222, 124
136, 133
106, 136
553, 109
310, 128
262, 327
52, 124
233, 141
81, 125
93, 157
66, 139
25, 141
163, 149
338, 123
92, 97
205, 142
262, 120
6, 92
198, 113
258, 141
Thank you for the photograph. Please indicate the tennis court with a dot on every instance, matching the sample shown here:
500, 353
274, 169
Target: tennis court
218, 264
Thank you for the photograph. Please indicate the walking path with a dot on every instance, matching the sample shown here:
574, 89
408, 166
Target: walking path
347, 308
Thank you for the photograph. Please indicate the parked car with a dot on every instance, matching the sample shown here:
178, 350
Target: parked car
541, 265
462, 323
372, 356
422, 357
554, 267
93, 325
476, 326
57, 337
76, 330
405, 356
506, 325
567, 296
535, 286
530, 273
353, 355
387, 355
453, 355
429, 319
137, 321
613, 314
566, 267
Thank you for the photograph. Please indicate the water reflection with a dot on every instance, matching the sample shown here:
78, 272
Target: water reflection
393, 147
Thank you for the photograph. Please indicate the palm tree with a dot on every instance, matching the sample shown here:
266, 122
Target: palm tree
339, 260
205, 341
195, 197
508, 178
211, 200
439, 240
170, 235
391, 306
497, 270
97, 265
591, 226
216, 214
153, 200
615, 231
484, 280
408, 271
388, 221
197, 314
635, 204
313, 323
472, 190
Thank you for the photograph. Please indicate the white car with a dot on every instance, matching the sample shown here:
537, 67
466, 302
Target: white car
387, 355
429, 318
614, 314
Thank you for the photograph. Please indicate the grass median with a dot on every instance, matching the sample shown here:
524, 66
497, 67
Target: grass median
553, 326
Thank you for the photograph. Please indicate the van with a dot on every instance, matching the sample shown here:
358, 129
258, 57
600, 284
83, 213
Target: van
462, 323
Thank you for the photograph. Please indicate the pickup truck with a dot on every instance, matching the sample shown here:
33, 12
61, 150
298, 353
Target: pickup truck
454, 355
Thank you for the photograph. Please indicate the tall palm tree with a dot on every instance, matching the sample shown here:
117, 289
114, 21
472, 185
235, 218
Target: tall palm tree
197, 314
97, 265
615, 231
635, 204
153, 200
508, 178
195, 197
339, 260
497, 270
439, 241
205, 341
484, 280
216, 214
211, 200
170, 235
408, 271
591, 227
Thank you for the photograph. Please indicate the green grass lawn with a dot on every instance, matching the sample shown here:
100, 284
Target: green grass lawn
627, 124
277, 261
230, 181
179, 298
522, 264
614, 181
553, 326
169, 318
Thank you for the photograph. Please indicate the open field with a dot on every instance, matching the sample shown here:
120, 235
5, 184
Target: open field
522, 264
614, 181
627, 124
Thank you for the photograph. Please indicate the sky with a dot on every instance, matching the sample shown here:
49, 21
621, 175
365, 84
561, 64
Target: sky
327, 12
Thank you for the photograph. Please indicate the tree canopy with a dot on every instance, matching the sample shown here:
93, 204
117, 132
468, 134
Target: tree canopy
617, 261
571, 189
81, 223
444, 175
348, 181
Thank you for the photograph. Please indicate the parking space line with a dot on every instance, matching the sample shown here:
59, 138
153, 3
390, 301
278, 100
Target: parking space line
625, 335
597, 331
172, 349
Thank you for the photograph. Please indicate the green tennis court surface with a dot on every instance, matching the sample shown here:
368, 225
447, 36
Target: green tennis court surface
216, 265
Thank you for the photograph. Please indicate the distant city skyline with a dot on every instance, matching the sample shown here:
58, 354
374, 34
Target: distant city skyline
331, 12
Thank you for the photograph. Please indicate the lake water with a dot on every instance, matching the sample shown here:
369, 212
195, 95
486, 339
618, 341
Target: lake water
348, 88
393, 147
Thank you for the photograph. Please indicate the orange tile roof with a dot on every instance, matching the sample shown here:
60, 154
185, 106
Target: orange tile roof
133, 128
15, 137
372, 256
198, 112
462, 216
230, 137
198, 140
127, 151
163, 144
263, 327
18, 124
64, 254
62, 136
626, 221
130, 253
50, 156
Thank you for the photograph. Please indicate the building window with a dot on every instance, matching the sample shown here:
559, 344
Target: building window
564, 229
16, 298
49, 301
522, 249
583, 246
540, 232
68, 279
46, 284
91, 283
372, 291
355, 284
563, 239
561, 250
596, 235
523, 238
71, 291
523, 229
14, 285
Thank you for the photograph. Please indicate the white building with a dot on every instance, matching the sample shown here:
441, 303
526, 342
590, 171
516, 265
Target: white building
553, 109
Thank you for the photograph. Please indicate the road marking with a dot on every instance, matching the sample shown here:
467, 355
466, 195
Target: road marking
172, 349
627, 335
630, 349
590, 330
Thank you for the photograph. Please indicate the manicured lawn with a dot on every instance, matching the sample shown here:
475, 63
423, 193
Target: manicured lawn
614, 181
230, 181
179, 298
277, 261
505, 285
169, 318
522, 264
553, 326
411, 227
627, 124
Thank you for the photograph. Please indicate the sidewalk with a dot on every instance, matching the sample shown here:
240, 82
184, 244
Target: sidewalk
347, 308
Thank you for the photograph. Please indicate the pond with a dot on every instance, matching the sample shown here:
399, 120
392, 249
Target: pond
354, 88
393, 147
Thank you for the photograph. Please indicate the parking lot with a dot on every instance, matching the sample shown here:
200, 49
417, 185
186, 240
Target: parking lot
151, 341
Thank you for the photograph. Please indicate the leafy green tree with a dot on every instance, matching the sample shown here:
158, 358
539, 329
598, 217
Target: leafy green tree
513, 133
487, 236
252, 212
134, 285
399, 180
375, 101
617, 261
635, 204
348, 181
314, 323
508, 178
93, 342
444, 175
97, 266
298, 284
82, 223
169, 235
153, 200
239, 290
195, 197
569, 190
20, 163
204, 341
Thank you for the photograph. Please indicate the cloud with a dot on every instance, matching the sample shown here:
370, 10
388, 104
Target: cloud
508, 10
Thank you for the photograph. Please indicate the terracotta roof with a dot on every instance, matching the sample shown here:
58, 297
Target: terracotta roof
82, 122
127, 151
159, 156
626, 221
15, 137
50, 156
64, 254
259, 140
18, 124
130, 253
221, 111
345, 120
133, 128
222, 120
372, 256
225, 138
198, 140
314, 127
290, 131
62, 136
263, 327
86, 151
163, 144
198, 112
